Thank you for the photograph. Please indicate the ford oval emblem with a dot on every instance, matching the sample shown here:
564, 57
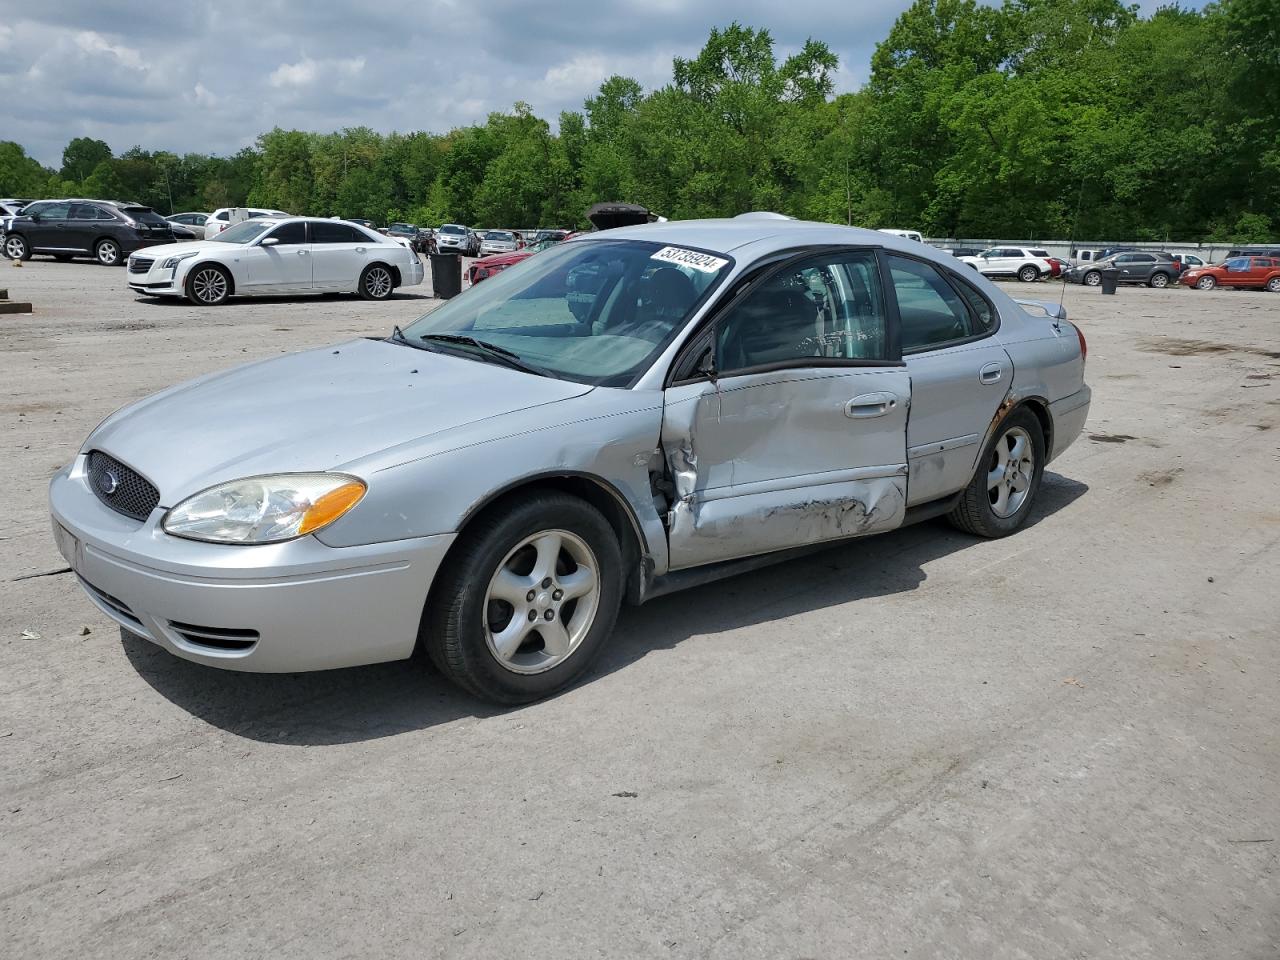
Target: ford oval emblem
108, 482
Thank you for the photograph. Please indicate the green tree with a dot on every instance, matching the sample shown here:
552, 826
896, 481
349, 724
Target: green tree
82, 156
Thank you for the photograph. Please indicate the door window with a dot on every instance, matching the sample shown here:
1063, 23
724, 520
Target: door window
1237, 265
831, 308
83, 211
328, 231
290, 233
932, 313
54, 211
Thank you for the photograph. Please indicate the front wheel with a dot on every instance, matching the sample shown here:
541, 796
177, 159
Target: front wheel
1159, 280
107, 253
1028, 273
15, 248
208, 286
376, 283
526, 599
1206, 283
999, 497
1092, 279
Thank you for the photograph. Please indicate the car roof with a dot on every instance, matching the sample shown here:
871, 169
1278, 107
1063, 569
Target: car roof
763, 235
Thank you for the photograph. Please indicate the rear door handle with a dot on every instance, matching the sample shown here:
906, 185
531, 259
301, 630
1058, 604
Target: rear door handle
302, 253
991, 373
870, 405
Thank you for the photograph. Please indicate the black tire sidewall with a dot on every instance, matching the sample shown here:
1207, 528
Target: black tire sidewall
455, 622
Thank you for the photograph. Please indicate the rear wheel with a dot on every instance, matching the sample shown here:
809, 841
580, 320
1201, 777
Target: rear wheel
1274, 284
1092, 279
999, 497
208, 286
1028, 273
1159, 280
15, 248
377, 282
527, 598
1206, 282
107, 253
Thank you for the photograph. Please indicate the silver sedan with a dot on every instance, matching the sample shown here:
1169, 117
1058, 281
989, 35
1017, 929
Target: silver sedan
628, 413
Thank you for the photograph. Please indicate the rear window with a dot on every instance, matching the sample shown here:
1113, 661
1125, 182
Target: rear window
144, 215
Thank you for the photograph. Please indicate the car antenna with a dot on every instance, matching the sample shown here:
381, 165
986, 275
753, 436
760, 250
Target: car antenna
1071, 242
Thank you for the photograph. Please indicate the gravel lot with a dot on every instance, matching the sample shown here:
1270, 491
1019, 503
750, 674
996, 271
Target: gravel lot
1063, 744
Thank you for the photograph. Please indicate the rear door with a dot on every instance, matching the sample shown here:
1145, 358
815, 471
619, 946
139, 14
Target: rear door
80, 227
800, 438
339, 252
959, 374
1135, 267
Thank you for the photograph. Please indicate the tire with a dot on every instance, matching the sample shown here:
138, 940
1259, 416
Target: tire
1028, 273
208, 285
1158, 281
1273, 285
1092, 279
1207, 282
977, 513
62, 257
466, 623
16, 247
377, 282
107, 253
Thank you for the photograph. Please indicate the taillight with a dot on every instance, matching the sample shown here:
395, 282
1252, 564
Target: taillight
1084, 347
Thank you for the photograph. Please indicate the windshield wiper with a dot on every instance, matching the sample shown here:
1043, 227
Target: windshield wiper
501, 354
398, 336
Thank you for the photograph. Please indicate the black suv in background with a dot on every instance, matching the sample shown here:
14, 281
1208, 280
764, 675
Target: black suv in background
1150, 268
106, 230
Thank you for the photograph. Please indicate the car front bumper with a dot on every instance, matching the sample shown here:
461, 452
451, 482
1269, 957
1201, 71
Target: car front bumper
268, 608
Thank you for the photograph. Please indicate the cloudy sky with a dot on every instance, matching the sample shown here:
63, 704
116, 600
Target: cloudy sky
192, 76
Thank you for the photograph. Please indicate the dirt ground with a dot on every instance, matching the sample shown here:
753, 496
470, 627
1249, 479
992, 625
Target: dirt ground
1062, 744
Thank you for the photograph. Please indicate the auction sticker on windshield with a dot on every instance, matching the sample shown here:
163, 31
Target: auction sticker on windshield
690, 258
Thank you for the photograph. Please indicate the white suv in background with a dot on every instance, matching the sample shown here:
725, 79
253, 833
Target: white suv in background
1010, 262
220, 219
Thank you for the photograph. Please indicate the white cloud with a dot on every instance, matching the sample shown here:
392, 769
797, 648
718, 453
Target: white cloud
91, 42
306, 71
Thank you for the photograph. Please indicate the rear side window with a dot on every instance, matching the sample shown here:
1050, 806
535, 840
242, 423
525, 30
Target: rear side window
330, 231
83, 211
932, 314
983, 315
1039, 253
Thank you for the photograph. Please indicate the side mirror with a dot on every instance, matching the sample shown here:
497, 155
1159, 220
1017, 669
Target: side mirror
707, 365
269, 242
35, 218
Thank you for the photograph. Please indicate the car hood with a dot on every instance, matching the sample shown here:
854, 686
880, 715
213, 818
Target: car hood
311, 411
178, 249
503, 259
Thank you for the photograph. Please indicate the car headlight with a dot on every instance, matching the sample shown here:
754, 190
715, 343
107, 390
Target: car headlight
173, 262
265, 509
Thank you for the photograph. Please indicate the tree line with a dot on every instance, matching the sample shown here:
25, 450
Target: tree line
1036, 119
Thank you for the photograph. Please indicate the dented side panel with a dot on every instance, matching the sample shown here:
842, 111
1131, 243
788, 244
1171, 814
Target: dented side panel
769, 461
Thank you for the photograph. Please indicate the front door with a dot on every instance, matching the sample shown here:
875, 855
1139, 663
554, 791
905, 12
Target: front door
282, 267
46, 233
959, 374
800, 438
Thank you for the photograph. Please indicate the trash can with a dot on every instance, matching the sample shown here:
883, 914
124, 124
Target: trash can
1110, 278
446, 275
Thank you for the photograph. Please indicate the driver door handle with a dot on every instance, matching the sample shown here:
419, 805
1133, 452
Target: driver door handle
870, 405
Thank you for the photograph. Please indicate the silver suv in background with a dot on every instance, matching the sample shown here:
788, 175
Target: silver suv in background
453, 238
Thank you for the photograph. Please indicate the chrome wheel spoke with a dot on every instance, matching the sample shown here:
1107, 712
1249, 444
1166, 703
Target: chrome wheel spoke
1018, 449
548, 547
555, 638
996, 477
1001, 504
579, 583
511, 587
508, 641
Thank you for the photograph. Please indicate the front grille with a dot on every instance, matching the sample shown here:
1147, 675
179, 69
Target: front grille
140, 264
231, 639
121, 488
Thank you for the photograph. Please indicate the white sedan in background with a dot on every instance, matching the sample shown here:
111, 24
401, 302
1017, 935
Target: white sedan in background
277, 256
1026, 265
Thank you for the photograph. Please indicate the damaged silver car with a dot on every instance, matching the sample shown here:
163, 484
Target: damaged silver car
630, 412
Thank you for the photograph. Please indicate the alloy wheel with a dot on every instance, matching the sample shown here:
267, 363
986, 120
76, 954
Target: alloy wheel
1206, 283
1274, 284
209, 285
1092, 279
1159, 280
541, 601
15, 248
108, 253
378, 282
1010, 471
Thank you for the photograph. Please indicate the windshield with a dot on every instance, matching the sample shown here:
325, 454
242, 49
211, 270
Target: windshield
246, 231
450, 228
594, 311
498, 235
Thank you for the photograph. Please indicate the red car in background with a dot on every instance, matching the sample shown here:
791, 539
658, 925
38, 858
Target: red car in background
1249, 272
487, 266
